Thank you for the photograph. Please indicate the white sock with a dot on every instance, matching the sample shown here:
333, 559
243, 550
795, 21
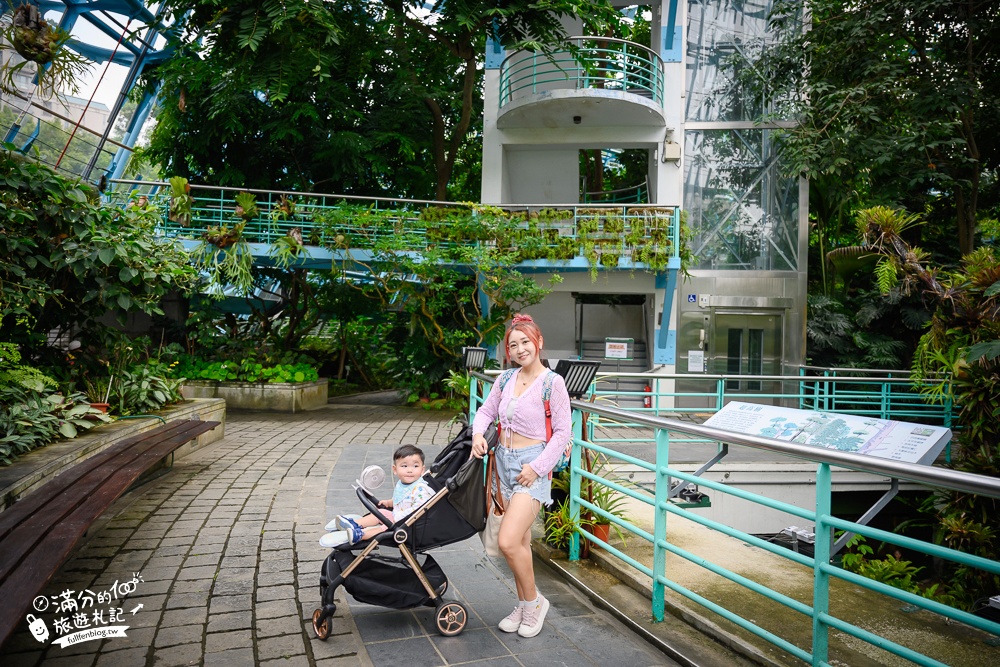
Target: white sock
532, 603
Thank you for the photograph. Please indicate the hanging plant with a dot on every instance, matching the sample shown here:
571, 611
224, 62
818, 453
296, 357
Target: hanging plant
181, 201
225, 256
223, 236
41, 43
283, 210
246, 206
288, 248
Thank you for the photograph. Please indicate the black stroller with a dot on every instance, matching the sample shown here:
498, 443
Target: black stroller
400, 581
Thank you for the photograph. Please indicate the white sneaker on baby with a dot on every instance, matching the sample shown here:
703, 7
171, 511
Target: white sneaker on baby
334, 539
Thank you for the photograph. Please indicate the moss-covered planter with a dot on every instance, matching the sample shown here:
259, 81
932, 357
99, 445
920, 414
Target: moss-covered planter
269, 397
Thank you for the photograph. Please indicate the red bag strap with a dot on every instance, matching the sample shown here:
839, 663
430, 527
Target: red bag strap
546, 394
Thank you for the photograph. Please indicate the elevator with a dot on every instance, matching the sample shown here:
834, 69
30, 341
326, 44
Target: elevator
730, 340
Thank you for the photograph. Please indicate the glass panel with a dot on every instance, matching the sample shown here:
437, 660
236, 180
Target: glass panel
734, 357
723, 40
742, 211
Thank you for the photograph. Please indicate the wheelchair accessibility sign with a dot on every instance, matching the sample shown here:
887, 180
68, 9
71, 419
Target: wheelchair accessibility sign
692, 298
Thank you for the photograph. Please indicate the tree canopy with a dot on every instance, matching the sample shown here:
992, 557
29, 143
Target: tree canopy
900, 101
359, 96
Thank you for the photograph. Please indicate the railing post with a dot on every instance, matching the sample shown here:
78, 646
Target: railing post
534, 73
821, 557
473, 397
886, 409
574, 481
660, 521
830, 389
802, 389
624, 67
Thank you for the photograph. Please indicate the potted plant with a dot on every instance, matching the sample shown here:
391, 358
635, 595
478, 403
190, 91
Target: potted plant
246, 206
604, 498
560, 525
98, 391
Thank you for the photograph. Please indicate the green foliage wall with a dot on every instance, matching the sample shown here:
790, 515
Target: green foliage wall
65, 260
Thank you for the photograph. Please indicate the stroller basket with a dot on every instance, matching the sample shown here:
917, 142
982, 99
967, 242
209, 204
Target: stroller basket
385, 582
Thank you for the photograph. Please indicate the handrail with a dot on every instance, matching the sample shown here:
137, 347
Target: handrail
820, 565
589, 62
653, 55
960, 481
652, 231
399, 200
952, 479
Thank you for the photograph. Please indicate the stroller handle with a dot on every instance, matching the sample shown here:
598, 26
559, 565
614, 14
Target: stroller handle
371, 504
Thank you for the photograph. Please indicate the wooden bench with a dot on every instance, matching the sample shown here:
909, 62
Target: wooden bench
40, 531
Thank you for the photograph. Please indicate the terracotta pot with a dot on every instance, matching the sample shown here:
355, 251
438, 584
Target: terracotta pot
103, 407
602, 531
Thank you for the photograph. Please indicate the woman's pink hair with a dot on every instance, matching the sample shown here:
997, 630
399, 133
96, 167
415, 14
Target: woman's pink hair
527, 326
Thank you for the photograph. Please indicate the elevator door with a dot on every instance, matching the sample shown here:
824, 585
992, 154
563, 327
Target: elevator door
746, 344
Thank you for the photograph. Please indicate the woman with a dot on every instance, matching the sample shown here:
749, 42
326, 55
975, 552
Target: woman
524, 460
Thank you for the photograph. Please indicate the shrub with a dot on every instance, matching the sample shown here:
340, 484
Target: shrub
31, 419
248, 370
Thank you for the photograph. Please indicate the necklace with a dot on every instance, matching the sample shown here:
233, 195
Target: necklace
526, 380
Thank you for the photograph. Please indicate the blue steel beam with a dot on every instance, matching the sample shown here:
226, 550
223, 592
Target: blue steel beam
130, 8
118, 164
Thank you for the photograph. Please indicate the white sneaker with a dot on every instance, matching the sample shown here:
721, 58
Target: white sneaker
533, 617
334, 539
513, 620
335, 524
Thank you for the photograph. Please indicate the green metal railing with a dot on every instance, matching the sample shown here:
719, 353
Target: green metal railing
876, 394
339, 221
880, 394
817, 608
590, 63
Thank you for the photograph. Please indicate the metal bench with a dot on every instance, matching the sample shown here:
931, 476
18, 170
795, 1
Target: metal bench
40, 531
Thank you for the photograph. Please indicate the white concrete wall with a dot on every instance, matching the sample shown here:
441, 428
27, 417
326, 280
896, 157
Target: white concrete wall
556, 316
792, 483
542, 174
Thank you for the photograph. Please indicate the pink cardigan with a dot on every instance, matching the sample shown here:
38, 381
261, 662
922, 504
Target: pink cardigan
529, 417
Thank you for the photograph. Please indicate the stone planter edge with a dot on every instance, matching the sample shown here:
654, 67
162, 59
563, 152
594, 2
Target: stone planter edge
266, 397
36, 467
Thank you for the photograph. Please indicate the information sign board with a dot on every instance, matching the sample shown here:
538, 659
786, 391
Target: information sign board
895, 440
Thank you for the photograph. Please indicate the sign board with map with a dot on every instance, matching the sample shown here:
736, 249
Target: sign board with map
895, 440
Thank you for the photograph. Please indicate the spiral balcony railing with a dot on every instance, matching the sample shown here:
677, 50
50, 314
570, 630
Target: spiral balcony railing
603, 63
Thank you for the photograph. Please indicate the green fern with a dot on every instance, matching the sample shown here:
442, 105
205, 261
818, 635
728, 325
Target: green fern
885, 275
13, 374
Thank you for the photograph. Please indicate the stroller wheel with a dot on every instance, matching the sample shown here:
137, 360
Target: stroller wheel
321, 627
451, 618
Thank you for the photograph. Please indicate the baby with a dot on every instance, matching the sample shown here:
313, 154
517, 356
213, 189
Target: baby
410, 493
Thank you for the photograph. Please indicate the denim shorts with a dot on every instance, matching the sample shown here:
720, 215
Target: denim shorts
509, 464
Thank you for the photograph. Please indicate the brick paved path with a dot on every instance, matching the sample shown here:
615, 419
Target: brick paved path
226, 546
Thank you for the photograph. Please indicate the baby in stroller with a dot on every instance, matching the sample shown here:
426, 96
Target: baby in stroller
411, 492
390, 566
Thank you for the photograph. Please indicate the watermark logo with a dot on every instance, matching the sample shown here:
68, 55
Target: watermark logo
85, 615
